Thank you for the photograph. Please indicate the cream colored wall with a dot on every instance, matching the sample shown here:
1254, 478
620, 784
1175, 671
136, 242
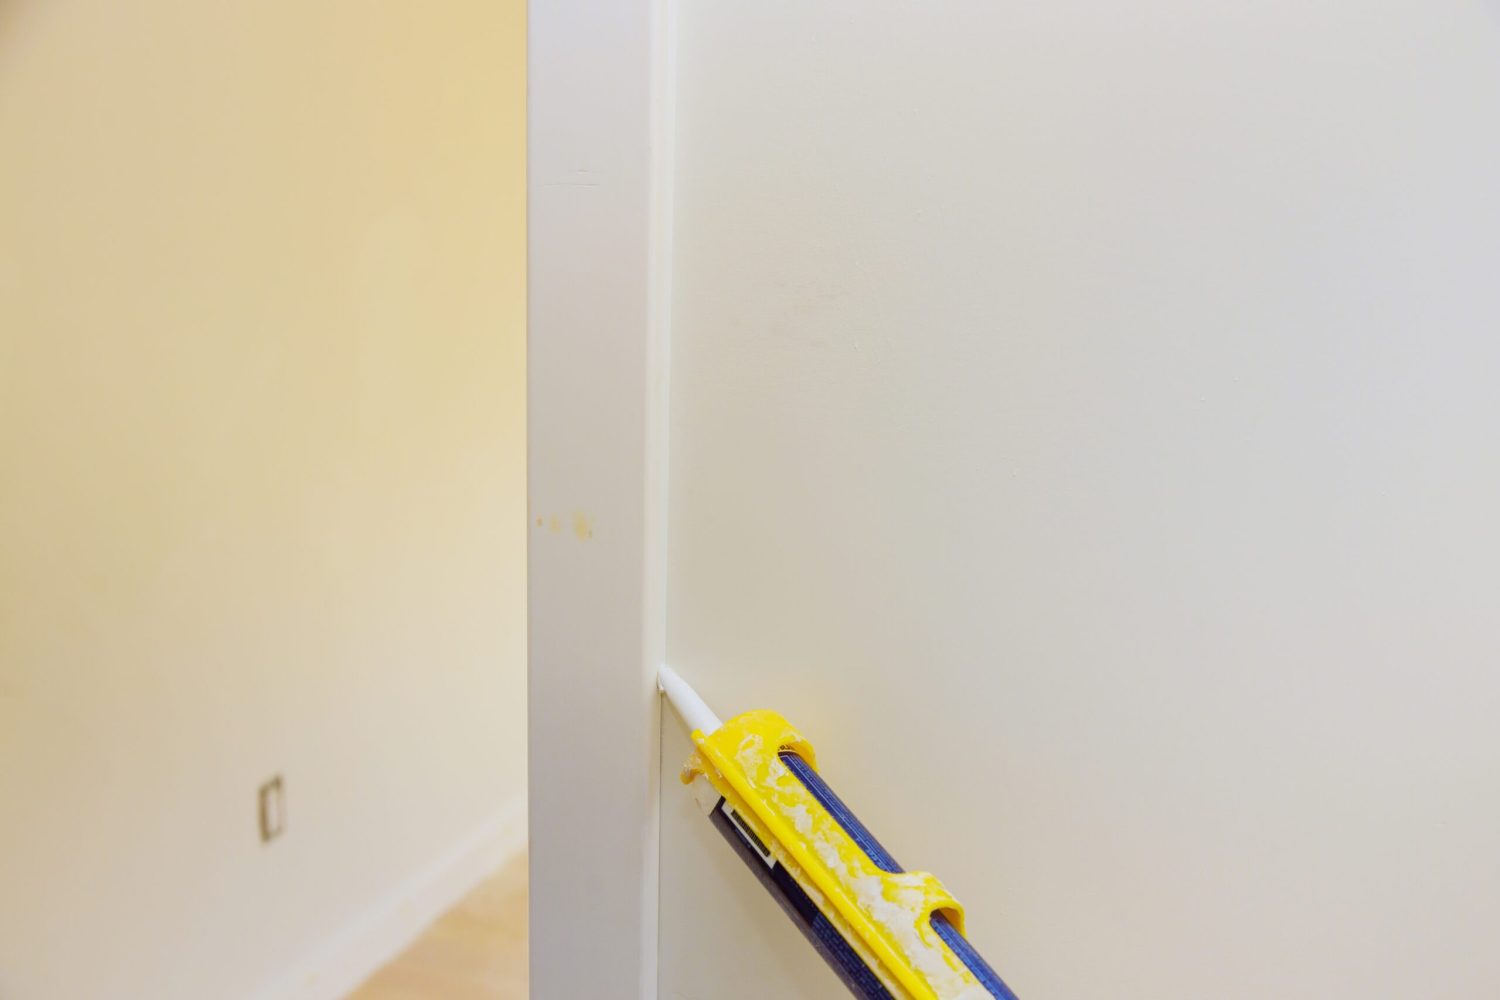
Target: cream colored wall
1083, 426
261, 475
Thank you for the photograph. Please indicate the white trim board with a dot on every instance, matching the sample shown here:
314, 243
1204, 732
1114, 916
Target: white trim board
598, 218
356, 951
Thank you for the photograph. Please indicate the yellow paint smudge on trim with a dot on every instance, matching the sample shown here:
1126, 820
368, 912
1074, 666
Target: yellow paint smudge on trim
582, 526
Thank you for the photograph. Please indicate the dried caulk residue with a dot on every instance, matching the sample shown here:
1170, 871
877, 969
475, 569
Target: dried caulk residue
898, 902
801, 819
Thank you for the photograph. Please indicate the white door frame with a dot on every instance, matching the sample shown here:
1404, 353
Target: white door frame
598, 160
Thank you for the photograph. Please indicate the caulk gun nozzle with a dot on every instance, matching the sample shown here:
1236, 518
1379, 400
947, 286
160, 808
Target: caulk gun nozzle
685, 701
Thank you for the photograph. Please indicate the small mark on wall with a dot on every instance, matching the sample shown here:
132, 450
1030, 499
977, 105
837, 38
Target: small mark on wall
582, 524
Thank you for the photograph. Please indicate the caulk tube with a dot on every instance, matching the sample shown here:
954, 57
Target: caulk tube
825, 932
739, 831
887, 933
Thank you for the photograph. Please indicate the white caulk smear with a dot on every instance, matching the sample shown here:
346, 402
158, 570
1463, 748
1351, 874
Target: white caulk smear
685, 701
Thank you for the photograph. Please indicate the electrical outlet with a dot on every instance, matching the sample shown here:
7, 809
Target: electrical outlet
272, 810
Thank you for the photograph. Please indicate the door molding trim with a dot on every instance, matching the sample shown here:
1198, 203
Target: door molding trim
599, 192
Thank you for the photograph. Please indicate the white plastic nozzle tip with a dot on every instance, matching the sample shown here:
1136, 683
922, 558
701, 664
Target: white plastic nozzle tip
686, 703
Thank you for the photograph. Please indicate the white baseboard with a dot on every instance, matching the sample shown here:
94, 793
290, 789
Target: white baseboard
377, 936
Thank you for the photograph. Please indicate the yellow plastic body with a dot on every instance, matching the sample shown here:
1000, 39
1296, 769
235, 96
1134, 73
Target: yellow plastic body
886, 916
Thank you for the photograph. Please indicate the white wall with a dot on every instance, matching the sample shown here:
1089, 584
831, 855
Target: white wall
1084, 423
261, 482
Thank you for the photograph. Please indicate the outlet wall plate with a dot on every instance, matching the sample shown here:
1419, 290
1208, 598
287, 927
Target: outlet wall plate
272, 800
